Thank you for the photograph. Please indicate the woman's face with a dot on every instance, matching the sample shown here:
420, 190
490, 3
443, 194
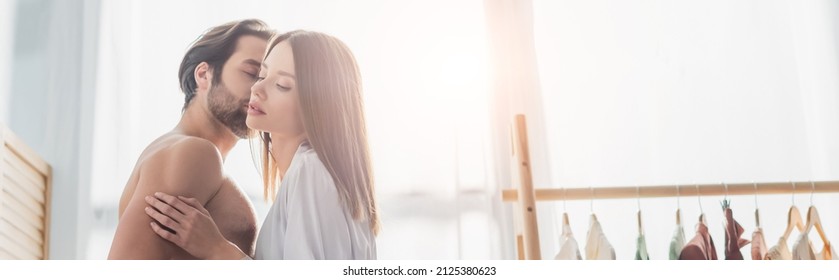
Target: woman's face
274, 105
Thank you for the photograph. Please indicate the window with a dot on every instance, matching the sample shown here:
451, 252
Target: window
423, 66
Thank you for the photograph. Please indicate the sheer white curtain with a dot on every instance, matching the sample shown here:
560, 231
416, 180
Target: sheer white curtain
669, 92
516, 89
424, 67
49, 77
6, 35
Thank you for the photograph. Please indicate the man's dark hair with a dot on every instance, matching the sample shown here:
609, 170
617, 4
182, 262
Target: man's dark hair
214, 47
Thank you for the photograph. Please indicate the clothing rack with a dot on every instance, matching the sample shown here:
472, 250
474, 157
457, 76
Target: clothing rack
527, 242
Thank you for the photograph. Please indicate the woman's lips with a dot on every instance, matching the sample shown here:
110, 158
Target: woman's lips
253, 109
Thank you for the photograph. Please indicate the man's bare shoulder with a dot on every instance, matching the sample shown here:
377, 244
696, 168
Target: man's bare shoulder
183, 165
174, 164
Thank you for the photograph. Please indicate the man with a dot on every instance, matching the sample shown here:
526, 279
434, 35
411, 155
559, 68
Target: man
216, 75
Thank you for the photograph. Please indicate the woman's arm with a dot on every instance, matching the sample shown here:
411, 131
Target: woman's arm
192, 227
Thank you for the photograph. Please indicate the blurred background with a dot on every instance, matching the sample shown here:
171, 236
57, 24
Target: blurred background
617, 93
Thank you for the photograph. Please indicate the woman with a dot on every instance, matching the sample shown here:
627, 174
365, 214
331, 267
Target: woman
306, 106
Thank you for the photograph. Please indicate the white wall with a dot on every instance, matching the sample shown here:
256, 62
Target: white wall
7, 17
670, 92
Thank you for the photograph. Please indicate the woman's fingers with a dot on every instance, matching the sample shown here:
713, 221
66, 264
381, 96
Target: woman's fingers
192, 227
165, 234
163, 219
165, 208
173, 201
195, 204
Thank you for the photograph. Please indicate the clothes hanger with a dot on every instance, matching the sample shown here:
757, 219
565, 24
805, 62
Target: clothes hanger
699, 199
591, 204
726, 203
678, 206
564, 208
640, 226
793, 217
757, 213
565, 232
813, 219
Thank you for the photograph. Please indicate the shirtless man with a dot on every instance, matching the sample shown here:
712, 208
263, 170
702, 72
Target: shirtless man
216, 75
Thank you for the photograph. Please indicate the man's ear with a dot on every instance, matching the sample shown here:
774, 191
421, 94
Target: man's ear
203, 77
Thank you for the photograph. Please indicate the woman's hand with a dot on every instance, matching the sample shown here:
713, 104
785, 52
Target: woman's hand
191, 227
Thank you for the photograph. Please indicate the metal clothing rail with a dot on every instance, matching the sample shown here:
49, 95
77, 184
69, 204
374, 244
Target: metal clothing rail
526, 195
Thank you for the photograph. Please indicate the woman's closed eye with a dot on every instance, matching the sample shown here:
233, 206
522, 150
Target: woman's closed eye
283, 88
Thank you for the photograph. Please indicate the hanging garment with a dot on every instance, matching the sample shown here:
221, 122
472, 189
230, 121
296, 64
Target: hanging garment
733, 242
641, 249
701, 247
677, 242
803, 250
758, 245
597, 246
779, 252
568, 248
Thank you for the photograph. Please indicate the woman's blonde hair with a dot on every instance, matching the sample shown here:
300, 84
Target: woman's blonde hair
332, 110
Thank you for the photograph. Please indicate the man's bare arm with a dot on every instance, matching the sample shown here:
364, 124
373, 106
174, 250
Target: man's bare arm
191, 167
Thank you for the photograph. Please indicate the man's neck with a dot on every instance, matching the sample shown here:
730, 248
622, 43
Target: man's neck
198, 122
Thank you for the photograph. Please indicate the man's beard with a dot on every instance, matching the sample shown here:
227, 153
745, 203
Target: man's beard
228, 110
